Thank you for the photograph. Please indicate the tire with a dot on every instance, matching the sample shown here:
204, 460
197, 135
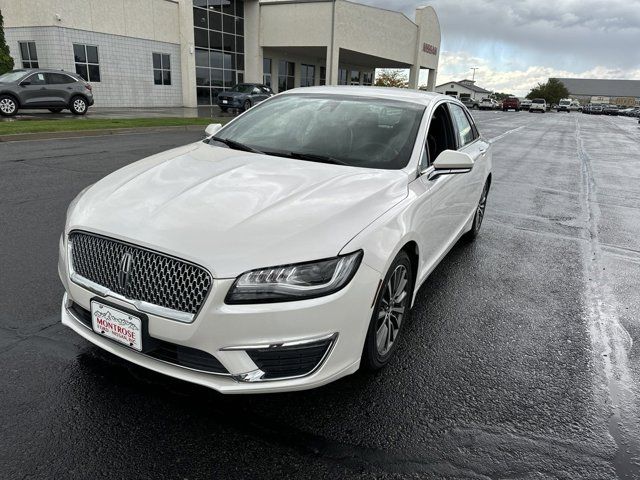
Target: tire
55, 110
8, 106
246, 105
479, 215
475, 107
224, 109
387, 322
78, 105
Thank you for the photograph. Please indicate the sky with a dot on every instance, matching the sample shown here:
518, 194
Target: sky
518, 43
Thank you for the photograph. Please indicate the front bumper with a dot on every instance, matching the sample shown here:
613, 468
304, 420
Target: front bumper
232, 333
231, 103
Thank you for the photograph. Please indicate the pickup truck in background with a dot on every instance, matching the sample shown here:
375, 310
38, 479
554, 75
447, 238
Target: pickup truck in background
511, 103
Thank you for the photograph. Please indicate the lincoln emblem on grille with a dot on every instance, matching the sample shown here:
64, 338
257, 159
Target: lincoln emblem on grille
125, 269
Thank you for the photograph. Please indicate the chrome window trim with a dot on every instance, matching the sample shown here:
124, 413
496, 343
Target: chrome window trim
140, 305
72, 315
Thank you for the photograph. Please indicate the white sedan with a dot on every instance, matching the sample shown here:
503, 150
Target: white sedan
285, 250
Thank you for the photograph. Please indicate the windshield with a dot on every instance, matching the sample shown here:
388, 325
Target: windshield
538, 100
356, 131
242, 88
12, 76
565, 102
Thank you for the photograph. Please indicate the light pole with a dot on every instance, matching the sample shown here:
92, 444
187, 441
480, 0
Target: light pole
473, 78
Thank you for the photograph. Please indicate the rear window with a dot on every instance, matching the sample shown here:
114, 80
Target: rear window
538, 100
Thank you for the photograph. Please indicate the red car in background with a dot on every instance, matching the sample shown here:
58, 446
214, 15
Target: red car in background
511, 103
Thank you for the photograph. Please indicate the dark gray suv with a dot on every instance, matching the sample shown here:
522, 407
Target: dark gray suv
243, 96
38, 88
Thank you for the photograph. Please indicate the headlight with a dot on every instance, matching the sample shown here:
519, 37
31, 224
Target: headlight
294, 282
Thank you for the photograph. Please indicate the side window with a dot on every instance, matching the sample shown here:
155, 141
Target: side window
474, 128
36, 79
58, 79
462, 124
440, 136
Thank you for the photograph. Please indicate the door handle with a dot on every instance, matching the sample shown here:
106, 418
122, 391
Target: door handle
483, 151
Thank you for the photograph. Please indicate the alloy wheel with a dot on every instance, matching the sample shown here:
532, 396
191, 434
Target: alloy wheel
391, 310
481, 206
7, 106
79, 105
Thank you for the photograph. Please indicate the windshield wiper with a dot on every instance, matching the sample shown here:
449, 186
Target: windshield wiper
309, 156
235, 145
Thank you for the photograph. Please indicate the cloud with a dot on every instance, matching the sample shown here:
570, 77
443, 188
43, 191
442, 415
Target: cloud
455, 66
517, 43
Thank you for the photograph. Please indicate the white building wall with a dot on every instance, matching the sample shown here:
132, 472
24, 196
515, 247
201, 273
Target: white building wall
126, 64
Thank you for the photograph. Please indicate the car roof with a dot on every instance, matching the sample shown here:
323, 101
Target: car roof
402, 94
45, 70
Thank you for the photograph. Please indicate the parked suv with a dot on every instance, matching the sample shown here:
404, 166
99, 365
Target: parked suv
54, 90
511, 103
564, 105
538, 105
243, 96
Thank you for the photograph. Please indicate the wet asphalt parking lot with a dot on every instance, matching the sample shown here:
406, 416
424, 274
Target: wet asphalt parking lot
521, 359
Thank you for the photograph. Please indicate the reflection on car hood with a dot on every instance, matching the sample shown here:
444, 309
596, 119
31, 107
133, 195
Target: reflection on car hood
233, 211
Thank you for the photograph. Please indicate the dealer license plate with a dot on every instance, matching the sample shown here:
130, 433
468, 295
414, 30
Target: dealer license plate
116, 325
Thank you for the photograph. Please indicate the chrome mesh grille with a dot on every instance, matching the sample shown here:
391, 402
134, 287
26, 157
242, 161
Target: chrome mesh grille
154, 278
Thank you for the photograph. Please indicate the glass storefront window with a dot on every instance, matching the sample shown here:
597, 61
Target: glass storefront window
218, 37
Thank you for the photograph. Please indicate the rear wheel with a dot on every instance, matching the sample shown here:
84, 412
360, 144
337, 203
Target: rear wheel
389, 315
479, 215
8, 106
55, 110
78, 106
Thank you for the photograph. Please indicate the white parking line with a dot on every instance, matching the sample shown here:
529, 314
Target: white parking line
495, 139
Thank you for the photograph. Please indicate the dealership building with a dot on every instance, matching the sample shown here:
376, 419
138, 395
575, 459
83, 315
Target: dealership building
593, 90
173, 53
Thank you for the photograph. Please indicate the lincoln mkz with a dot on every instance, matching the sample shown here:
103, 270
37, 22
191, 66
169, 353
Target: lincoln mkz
286, 249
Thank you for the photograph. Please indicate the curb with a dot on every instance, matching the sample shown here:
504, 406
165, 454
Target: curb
20, 137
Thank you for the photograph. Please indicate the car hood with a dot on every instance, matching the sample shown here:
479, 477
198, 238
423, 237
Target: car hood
234, 211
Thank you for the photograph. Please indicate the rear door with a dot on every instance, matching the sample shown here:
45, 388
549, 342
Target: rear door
469, 185
60, 87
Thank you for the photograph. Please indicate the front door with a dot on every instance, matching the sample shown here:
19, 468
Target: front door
33, 91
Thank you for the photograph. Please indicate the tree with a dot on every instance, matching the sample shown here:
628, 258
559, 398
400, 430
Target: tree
501, 96
6, 62
552, 91
392, 78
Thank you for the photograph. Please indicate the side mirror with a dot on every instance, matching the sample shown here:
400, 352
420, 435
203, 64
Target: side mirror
212, 128
24, 84
451, 162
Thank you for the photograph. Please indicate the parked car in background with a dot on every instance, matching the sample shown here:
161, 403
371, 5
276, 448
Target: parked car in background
470, 103
525, 104
243, 96
286, 249
564, 105
511, 103
488, 104
54, 90
538, 105
610, 110
595, 109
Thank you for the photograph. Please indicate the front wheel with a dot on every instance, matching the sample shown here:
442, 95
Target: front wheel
389, 314
246, 106
78, 106
8, 106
